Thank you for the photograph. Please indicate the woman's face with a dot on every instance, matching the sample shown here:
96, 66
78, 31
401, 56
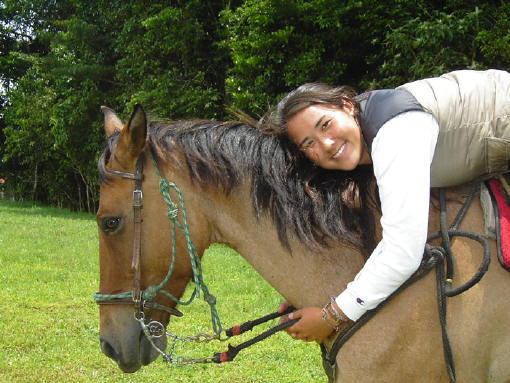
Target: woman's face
329, 136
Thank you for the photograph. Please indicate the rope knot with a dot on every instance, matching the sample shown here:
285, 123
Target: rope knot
432, 256
209, 298
150, 292
173, 212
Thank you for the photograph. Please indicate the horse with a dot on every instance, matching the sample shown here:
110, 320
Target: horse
224, 168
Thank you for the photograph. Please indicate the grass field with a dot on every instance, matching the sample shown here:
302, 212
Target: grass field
49, 324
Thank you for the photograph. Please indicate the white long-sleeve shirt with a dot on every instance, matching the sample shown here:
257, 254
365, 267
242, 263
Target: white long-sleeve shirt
402, 153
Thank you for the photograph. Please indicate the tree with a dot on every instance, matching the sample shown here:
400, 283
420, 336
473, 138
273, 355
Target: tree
60, 60
171, 61
455, 35
28, 147
55, 103
277, 45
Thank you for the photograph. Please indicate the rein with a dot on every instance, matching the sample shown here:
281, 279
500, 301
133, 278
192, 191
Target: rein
438, 257
143, 299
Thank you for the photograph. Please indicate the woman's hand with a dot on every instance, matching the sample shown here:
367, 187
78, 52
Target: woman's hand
310, 327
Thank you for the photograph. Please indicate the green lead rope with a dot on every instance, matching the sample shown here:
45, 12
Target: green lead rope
150, 292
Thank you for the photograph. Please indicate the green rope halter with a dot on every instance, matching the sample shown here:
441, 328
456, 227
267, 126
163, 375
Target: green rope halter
151, 291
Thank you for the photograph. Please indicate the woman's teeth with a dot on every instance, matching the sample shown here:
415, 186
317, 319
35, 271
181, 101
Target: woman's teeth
340, 151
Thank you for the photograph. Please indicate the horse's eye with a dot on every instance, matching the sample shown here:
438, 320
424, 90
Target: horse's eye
110, 224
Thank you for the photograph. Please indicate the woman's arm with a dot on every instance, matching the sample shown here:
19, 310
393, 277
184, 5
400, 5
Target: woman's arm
402, 153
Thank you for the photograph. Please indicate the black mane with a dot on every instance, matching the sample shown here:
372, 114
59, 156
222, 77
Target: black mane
303, 201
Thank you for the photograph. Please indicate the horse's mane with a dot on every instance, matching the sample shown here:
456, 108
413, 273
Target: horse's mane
303, 201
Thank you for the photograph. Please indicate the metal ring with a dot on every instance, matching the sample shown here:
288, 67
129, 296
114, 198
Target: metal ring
156, 329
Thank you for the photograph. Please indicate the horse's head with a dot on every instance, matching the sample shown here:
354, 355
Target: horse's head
133, 256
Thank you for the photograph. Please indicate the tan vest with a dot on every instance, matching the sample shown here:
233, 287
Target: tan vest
473, 111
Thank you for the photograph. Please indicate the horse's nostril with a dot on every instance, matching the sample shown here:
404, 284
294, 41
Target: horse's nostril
108, 350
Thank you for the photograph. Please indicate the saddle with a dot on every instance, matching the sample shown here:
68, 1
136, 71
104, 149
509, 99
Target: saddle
495, 198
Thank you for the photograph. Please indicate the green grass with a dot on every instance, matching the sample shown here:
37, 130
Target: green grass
49, 324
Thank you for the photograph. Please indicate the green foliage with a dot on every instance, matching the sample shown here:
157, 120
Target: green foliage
61, 60
431, 44
50, 146
494, 40
170, 62
27, 143
277, 45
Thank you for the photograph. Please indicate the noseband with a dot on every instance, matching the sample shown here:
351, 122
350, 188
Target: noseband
135, 297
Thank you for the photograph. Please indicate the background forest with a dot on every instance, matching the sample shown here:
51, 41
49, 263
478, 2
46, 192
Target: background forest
61, 59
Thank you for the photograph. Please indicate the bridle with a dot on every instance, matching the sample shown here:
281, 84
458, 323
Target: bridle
137, 297
143, 299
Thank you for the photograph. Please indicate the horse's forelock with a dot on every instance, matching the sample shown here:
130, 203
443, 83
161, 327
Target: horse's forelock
104, 176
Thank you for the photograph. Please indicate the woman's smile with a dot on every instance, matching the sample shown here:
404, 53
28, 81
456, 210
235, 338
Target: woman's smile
339, 152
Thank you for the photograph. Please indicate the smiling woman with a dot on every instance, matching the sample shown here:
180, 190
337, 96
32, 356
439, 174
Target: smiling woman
439, 132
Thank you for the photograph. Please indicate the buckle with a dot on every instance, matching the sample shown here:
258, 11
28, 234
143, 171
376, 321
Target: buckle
137, 196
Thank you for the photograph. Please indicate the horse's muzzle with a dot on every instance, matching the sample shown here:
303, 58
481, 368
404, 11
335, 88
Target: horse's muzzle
131, 355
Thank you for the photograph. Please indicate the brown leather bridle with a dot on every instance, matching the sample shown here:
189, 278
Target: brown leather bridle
140, 304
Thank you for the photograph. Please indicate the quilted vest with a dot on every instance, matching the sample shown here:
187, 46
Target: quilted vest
473, 112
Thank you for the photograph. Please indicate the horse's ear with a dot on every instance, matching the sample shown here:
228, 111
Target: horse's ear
112, 123
131, 141
136, 128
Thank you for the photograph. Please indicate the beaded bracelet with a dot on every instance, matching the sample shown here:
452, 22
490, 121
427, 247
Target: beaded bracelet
330, 309
335, 312
325, 318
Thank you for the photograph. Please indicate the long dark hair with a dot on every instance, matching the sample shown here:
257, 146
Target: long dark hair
359, 192
302, 202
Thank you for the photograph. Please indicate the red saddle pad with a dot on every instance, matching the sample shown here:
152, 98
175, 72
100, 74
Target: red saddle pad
504, 223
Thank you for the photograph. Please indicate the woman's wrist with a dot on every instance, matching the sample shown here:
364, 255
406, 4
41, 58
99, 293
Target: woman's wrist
333, 316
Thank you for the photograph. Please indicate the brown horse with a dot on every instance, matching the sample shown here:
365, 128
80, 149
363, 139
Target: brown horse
220, 170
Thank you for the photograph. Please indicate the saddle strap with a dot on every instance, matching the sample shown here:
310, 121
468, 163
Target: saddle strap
434, 257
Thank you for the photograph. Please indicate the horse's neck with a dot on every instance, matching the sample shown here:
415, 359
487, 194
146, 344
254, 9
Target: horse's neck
325, 273
303, 276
